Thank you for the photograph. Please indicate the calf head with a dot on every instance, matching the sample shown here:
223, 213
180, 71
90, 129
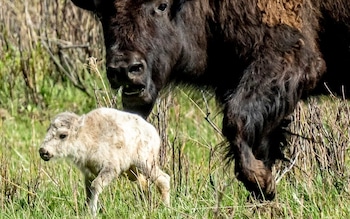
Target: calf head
142, 47
59, 137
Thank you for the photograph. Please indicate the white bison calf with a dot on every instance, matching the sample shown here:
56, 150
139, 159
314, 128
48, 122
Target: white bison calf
103, 144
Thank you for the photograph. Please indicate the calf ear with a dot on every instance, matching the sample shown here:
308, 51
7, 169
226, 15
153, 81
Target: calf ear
80, 123
85, 4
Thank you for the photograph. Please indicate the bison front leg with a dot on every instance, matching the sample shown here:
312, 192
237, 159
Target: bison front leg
253, 116
253, 172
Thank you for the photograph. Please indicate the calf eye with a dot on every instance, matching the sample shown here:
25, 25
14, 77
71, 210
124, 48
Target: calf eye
162, 6
62, 136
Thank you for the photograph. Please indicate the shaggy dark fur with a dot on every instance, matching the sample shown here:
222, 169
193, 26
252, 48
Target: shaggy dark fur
259, 56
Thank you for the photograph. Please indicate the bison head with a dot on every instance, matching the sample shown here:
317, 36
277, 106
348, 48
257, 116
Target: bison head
142, 47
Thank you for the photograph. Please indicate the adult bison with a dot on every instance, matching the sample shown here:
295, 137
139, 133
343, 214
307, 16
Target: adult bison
260, 57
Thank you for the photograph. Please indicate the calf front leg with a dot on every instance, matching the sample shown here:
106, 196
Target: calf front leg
104, 177
88, 179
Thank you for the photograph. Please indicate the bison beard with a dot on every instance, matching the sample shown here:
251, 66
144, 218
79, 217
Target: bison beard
259, 56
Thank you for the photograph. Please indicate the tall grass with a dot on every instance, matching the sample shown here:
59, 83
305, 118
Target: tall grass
47, 66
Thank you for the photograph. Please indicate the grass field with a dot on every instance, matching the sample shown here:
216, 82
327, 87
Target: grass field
44, 70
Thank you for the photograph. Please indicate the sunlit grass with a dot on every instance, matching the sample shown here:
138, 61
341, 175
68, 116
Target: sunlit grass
32, 188
35, 86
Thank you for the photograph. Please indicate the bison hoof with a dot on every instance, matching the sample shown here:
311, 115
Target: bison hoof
266, 192
262, 195
258, 180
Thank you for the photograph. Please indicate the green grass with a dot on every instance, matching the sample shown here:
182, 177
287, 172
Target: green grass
39, 80
32, 188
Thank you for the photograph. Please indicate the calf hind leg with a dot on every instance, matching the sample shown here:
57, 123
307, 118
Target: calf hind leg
134, 175
161, 180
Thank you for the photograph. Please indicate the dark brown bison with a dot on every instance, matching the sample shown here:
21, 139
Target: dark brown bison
260, 57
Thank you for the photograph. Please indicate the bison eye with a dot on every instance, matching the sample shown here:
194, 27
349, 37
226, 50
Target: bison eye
137, 68
62, 136
162, 6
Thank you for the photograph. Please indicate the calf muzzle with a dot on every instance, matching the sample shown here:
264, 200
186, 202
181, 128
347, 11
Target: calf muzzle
44, 154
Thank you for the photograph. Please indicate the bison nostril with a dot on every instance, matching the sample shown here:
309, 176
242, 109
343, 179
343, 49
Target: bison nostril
136, 68
119, 75
115, 77
115, 71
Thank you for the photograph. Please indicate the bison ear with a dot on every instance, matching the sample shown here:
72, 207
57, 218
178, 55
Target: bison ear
177, 5
86, 4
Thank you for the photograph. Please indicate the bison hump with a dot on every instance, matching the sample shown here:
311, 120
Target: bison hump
275, 12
